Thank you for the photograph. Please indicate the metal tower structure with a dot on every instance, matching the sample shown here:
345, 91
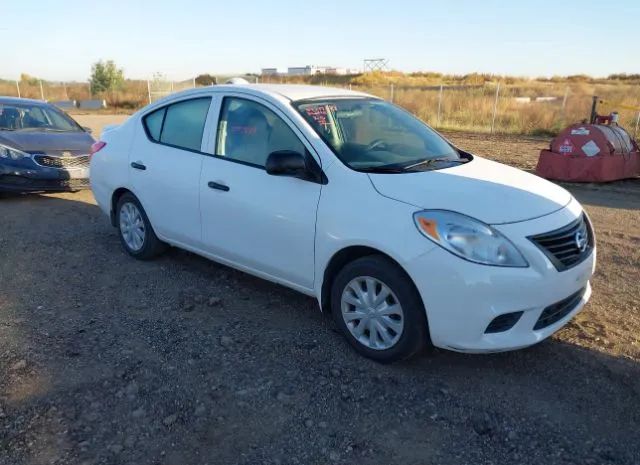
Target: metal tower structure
375, 64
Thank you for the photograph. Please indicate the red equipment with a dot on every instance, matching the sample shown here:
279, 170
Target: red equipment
597, 152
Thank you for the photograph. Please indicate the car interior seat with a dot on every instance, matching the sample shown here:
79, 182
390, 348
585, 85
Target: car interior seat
247, 136
10, 118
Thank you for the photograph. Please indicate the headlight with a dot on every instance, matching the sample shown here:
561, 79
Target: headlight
468, 238
13, 154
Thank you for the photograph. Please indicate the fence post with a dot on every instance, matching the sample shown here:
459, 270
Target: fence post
18, 87
194, 83
439, 104
635, 132
564, 100
41, 91
495, 108
391, 93
149, 90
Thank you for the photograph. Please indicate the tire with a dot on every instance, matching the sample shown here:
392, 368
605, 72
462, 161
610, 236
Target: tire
150, 246
381, 271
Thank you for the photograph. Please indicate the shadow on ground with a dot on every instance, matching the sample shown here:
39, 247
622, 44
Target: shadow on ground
104, 359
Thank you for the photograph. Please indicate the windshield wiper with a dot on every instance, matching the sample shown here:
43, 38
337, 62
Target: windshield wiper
429, 161
403, 168
381, 169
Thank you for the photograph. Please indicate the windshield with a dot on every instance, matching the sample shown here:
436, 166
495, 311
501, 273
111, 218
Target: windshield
25, 117
371, 134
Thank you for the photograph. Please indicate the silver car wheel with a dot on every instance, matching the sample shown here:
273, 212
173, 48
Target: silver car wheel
132, 226
372, 313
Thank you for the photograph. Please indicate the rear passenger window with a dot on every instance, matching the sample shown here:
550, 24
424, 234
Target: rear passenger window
153, 122
180, 125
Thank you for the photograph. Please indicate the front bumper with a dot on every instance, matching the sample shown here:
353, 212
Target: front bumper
15, 178
462, 298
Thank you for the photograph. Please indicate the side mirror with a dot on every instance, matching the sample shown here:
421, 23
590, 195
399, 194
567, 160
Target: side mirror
87, 129
287, 163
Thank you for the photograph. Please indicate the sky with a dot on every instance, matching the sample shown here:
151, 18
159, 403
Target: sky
59, 40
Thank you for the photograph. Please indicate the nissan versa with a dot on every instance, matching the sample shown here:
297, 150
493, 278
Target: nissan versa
404, 238
41, 148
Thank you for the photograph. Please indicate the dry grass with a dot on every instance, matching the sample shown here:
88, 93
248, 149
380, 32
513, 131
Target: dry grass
471, 108
467, 101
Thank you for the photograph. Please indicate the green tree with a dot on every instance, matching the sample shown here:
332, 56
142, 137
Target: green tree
28, 79
105, 76
206, 80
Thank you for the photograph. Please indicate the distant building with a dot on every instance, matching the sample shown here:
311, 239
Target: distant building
341, 71
270, 71
338, 71
309, 70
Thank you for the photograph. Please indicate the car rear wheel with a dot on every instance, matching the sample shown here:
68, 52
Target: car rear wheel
135, 231
379, 310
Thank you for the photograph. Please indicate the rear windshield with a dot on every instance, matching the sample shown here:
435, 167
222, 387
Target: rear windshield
25, 117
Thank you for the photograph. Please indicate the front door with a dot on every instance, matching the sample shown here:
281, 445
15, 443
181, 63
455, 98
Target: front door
261, 222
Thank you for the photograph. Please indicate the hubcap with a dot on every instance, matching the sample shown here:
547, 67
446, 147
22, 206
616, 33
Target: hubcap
372, 313
132, 226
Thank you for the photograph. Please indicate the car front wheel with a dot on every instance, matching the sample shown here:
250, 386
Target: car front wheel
379, 310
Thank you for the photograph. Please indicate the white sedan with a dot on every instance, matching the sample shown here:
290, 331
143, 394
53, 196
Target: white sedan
405, 239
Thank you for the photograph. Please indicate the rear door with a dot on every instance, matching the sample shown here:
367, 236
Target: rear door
165, 164
261, 222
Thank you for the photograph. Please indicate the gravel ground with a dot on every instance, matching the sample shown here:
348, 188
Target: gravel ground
107, 360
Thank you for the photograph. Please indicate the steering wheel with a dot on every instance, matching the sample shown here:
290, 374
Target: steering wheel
375, 144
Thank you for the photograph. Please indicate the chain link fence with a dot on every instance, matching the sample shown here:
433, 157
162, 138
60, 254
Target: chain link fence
531, 109
496, 108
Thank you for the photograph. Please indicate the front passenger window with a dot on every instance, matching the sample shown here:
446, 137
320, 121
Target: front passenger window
249, 132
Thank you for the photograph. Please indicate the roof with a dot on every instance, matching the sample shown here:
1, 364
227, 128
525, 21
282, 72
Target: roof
291, 92
301, 92
18, 100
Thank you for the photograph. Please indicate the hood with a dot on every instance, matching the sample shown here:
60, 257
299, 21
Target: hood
47, 142
483, 189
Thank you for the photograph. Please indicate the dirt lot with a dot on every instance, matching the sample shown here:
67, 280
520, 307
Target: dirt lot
107, 360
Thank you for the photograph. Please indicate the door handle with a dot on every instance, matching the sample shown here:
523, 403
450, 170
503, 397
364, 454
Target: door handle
220, 187
137, 165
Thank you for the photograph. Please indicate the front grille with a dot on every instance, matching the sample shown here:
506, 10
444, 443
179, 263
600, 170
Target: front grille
556, 312
503, 322
562, 246
66, 163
